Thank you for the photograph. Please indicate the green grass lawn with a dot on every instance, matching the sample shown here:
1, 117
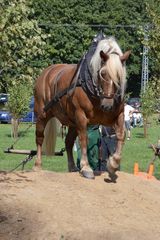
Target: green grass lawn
27, 141
135, 150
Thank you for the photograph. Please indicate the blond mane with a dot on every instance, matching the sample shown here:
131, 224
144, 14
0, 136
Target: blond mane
114, 67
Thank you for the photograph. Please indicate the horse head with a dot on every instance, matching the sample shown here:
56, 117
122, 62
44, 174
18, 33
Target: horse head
109, 72
111, 78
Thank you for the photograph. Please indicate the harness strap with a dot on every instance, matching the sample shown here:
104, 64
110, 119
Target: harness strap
59, 96
74, 84
102, 96
57, 79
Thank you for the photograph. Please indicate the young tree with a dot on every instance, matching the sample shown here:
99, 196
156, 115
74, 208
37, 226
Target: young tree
18, 104
147, 105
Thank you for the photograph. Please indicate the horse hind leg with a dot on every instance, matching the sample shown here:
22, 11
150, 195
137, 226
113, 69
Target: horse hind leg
69, 142
40, 126
46, 132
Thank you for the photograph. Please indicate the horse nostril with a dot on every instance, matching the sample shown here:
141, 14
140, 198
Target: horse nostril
106, 107
102, 107
109, 107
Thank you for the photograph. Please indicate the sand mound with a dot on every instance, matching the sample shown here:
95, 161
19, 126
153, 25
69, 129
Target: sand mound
46, 206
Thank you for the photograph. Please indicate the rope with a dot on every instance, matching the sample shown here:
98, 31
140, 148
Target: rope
27, 159
31, 155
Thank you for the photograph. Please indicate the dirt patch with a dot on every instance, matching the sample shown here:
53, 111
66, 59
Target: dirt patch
46, 206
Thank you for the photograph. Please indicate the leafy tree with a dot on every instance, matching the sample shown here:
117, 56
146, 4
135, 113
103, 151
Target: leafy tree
72, 25
22, 44
22, 48
147, 105
19, 97
153, 10
151, 97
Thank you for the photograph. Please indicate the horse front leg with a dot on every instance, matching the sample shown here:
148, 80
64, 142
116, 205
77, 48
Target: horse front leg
86, 170
69, 142
114, 161
81, 124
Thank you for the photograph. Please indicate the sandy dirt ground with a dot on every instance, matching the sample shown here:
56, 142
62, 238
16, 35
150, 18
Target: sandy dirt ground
64, 206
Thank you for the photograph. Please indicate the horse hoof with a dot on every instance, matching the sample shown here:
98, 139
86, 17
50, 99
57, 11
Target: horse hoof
75, 169
113, 177
87, 174
111, 171
37, 168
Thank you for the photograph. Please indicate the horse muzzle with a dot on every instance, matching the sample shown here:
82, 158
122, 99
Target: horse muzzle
106, 104
106, 108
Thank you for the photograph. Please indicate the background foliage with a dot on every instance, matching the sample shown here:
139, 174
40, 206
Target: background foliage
153, 10
22, 43
72, 25
37, 33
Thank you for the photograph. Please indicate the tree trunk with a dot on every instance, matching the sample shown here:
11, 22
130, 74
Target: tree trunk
15, 124
145, 126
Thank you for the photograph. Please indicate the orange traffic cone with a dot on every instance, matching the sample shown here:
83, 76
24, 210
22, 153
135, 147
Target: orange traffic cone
136, 169
151, 170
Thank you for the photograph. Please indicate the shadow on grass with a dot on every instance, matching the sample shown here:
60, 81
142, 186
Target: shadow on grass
20, 134
139, 135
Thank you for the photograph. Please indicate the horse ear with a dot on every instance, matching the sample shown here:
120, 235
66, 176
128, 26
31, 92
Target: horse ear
125, 56
104, 56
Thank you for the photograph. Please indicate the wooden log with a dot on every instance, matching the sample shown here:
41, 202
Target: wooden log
28, 152
20, 151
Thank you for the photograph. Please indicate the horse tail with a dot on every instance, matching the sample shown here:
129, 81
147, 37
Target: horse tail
50, 135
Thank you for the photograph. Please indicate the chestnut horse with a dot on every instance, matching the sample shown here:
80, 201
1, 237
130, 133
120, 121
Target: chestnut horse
62, 92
